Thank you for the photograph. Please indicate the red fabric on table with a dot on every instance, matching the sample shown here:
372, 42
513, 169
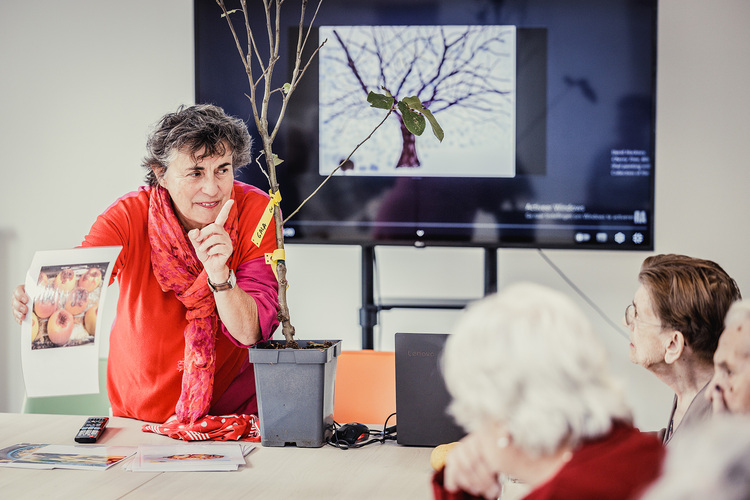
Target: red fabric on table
210, 428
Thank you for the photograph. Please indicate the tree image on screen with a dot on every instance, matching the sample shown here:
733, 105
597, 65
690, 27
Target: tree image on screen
465, 74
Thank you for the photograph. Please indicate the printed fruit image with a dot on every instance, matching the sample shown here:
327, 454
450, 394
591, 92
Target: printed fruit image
43, 279
46, 302
34, 327
60, 326
89, 320
77, 301
65, 280
91, 279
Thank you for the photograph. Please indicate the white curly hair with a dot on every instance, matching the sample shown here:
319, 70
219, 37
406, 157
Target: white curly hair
528, 358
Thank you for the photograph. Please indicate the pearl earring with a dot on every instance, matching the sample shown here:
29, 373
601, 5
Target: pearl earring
503, 442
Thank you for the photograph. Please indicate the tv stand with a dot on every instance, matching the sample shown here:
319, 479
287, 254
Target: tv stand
368, 314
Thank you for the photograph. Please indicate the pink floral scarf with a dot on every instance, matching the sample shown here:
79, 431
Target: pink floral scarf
177, 268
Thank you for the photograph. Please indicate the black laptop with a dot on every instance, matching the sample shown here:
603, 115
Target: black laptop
421, 396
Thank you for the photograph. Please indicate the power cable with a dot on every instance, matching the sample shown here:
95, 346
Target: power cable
581, 294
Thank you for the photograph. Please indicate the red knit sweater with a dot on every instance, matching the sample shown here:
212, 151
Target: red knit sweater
618, 466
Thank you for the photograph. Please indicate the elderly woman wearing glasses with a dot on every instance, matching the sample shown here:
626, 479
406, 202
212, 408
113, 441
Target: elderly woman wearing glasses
531, 385
675, 321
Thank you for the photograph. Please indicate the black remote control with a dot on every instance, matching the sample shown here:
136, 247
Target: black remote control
91, 430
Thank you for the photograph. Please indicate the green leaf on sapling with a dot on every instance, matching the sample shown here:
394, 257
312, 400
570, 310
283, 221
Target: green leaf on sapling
437, 130
413, 121
416, 104
380, 101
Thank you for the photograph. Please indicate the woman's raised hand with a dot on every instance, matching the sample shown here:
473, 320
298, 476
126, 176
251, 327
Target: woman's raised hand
214, 246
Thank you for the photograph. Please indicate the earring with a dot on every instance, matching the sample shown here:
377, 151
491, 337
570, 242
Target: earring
503, 442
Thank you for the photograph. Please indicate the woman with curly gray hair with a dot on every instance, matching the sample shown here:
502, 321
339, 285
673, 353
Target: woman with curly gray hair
195, 290
531, 386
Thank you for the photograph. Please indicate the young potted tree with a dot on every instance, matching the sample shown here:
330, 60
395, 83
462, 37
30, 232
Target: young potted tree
295, 381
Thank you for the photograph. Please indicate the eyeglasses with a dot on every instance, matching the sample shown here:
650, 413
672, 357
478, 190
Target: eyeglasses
630, 317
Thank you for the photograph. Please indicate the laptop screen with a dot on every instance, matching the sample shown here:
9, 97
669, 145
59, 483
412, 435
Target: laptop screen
421, 396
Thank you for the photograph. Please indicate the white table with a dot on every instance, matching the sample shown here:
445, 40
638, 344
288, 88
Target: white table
377, 471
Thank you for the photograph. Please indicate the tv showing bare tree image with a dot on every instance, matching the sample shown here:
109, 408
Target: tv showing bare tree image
548, 109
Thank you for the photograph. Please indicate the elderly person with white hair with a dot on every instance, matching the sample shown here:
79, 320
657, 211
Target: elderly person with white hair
530, 384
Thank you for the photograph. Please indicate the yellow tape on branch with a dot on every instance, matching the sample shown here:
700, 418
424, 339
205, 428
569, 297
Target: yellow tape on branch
265, 220
273, 258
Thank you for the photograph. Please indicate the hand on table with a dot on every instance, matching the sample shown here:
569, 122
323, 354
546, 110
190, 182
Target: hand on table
472, 466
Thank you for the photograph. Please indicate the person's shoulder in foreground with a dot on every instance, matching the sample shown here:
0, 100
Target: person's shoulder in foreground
619, 465
714, 463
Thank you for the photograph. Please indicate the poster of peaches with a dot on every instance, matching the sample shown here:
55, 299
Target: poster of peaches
66, 304
60, 339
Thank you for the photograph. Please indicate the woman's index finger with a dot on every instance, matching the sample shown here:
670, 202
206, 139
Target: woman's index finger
224, 214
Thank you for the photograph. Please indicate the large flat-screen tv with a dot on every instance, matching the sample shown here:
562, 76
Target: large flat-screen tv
548, 109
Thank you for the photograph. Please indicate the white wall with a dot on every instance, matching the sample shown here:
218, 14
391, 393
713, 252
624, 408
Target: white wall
82, 80
80, 83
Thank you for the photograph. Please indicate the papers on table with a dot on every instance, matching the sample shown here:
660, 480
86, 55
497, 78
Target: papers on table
60, 334
53, 456
146, 458
190, 457
17, 451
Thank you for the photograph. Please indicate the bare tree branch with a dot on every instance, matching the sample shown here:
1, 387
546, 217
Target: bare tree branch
343, 162
350, 62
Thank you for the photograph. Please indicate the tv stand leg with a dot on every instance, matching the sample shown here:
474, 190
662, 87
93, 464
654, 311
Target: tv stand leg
368, 314
490, 271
